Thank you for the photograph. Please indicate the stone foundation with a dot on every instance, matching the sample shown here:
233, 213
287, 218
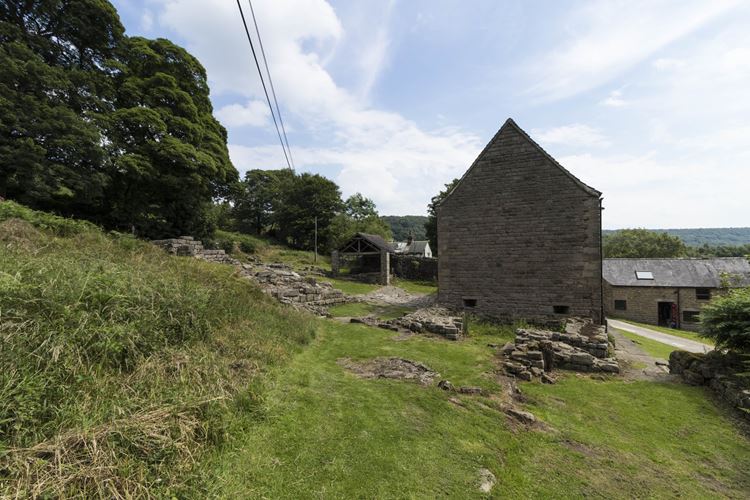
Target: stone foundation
719, 371
431, 320
582, 347
288, 287
189, 247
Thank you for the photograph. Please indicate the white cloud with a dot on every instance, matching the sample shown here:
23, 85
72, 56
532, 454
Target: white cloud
255, 113
147, 20
575, 134
614, 100
378, 153
666, 63
609, 38
645, 191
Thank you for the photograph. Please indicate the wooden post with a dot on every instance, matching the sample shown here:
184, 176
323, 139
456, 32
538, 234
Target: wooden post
385, 267
316, 240
335, 263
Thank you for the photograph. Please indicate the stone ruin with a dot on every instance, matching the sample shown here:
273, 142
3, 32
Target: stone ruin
391, 368
583, 347
289, 287
435, 320
277, 280
190, 247
722, 372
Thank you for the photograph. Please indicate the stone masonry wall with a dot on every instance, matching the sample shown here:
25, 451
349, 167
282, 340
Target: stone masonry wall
721, 372
642, 303
413, 267
519, 236
190, 247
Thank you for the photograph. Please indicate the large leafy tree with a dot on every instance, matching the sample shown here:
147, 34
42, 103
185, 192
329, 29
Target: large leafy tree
358, 207
97, 125
642, 243
303, 199
55, 86
258, 197
431, 225
169, 152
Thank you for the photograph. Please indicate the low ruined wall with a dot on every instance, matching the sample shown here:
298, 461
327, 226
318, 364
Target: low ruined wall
187, 246
719, 371
412, 267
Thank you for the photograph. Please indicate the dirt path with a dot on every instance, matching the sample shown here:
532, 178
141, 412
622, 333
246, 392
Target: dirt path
671, 340
636, 364
395, 296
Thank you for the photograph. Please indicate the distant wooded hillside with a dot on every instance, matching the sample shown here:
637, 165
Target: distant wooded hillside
401, 225
708, 236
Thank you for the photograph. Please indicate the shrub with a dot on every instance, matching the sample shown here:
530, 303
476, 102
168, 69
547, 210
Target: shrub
247, 247
726, 320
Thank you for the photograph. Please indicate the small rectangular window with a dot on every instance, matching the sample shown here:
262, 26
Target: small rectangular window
470, 302
561, 309
621, 305
690, 316
703, 293
644, 275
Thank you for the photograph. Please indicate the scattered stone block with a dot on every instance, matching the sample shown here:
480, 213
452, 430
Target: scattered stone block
524, 417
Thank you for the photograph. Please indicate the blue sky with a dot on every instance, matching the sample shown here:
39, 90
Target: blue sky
647, 101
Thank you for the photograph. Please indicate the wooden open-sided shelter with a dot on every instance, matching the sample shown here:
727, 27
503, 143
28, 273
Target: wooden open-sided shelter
371, 253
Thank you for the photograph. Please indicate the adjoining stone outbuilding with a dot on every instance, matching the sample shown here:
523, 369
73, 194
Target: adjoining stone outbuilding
520, 237
669, 292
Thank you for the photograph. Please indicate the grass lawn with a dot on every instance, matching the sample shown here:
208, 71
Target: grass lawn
352, 287
415, 286
673, 331
652, 347
321, 432
359, 309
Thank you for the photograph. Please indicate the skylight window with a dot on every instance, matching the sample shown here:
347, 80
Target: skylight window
644, 275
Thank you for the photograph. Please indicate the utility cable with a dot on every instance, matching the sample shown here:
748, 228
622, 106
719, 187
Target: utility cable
270, 81
262, 81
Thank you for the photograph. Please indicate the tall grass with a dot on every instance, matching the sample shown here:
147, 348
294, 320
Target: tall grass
120, 365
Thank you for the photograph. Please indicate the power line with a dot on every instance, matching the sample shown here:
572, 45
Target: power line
270, 81
262, 81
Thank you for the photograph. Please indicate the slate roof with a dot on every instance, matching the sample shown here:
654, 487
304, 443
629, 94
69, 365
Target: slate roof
509, 123
690, 273
417, 247
377, 240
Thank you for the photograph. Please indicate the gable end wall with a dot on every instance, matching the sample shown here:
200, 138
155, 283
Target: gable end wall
520, 236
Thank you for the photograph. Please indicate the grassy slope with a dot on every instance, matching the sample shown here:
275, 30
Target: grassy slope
126, 362
673, 331
328, 434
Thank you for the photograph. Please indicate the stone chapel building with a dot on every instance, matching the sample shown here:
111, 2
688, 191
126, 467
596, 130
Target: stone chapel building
520, 237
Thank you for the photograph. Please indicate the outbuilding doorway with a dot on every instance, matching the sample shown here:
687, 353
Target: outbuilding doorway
665, 313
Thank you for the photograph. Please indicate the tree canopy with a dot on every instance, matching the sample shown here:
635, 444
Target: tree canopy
642, 243
285, 205
431, 224
101, 126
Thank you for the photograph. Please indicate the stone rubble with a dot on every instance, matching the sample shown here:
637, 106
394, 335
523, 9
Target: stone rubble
391, 368
190, 247
582, 347
721, 372
435, 320
289, 287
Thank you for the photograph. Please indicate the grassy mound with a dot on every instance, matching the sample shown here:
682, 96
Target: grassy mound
122, 365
